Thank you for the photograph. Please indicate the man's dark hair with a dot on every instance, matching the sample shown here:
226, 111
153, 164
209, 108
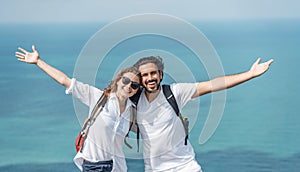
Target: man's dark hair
151, 59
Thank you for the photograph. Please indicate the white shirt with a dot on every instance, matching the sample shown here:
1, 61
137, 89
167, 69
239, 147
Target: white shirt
162, 131
106, 136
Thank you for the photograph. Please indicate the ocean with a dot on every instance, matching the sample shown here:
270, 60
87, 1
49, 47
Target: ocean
259, 128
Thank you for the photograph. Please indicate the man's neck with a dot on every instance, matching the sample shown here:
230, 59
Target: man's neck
151, 96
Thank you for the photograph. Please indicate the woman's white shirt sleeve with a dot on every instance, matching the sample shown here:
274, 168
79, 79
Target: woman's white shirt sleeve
84, 92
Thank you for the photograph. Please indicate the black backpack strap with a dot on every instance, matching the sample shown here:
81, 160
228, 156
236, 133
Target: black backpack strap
130, 126
135, 98
133, 118
137, 136
170, 98
172, 101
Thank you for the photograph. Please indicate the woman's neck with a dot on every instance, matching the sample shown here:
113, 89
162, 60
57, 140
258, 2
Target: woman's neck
122, 102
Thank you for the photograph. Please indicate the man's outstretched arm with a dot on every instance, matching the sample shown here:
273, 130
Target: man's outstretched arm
224, 82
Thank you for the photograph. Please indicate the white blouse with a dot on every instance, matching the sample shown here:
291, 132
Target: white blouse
105, 139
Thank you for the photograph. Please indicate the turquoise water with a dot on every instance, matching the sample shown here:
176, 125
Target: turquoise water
259, 130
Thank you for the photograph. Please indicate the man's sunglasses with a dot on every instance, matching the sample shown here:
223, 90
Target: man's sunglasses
133, 85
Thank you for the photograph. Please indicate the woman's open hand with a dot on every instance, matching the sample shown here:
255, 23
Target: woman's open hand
28, 57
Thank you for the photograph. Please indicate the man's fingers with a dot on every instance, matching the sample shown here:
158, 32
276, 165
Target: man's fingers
270, 61
258, 60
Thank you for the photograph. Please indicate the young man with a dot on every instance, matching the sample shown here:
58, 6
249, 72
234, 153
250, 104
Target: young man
163, 134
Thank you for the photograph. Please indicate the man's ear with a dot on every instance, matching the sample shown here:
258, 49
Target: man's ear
161, 75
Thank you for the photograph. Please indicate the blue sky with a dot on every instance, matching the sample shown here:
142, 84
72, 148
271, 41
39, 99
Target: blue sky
33, 11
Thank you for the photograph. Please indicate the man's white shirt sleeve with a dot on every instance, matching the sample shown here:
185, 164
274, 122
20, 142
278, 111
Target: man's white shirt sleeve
183, 93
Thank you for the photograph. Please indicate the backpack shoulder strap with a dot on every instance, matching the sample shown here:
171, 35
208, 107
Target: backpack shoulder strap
99, 106
135, 98
133, 118
172, 101
95, 112
170, 98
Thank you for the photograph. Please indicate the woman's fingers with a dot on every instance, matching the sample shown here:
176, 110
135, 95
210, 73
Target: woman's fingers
20, 54
21, 57
33, 48
21, 49
22, 60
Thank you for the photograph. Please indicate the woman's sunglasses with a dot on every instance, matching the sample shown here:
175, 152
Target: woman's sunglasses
133, 85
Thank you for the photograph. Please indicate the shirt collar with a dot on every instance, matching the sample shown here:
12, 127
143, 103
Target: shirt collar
114, 97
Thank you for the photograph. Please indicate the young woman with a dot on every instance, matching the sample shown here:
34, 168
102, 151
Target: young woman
102, 150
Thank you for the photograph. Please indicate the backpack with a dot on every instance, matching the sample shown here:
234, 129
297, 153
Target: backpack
81, 137
172, 101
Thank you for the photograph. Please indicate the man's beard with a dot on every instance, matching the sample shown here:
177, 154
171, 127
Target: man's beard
157, 86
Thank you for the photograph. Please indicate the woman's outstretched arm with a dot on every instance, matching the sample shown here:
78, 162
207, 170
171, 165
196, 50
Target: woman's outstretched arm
34, 58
